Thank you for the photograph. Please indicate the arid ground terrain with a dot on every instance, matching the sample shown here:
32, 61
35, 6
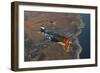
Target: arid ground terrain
38, 48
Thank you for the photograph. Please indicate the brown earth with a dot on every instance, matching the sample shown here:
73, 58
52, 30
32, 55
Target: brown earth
65, 22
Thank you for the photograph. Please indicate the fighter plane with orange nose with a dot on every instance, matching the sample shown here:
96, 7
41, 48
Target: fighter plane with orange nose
57, 38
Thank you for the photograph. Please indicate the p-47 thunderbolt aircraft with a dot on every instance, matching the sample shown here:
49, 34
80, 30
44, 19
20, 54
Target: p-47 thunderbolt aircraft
55, 37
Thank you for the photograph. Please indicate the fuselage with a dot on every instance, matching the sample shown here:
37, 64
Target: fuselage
55, 37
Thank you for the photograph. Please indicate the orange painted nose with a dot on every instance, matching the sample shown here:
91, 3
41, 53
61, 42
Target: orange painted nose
67, 42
